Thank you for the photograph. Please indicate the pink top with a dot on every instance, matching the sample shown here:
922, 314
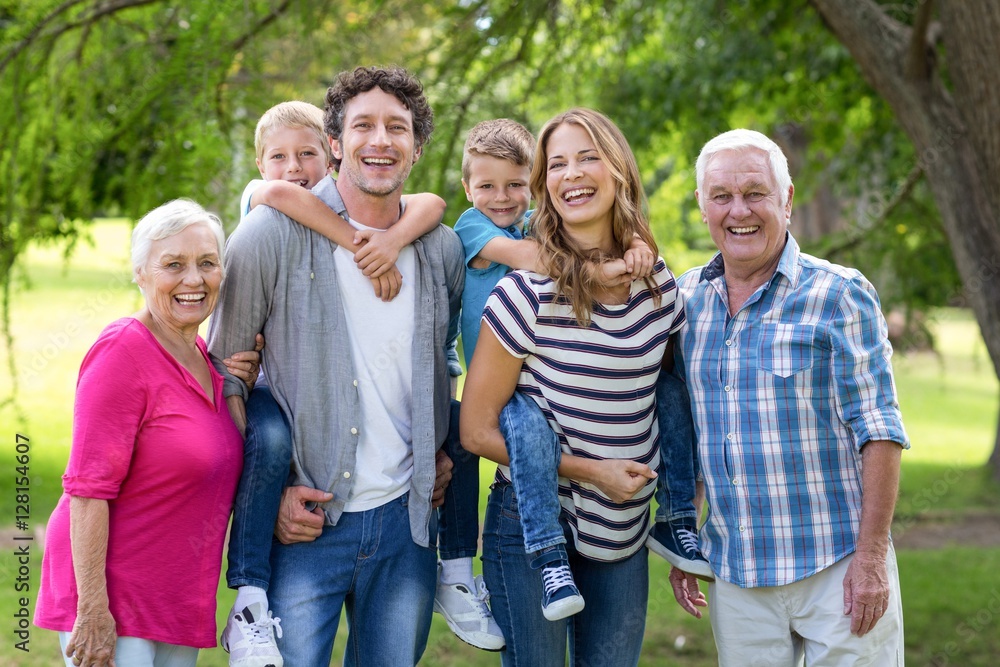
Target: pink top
167, 460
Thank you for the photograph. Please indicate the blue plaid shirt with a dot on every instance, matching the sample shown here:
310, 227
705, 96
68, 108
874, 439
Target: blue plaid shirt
784, 395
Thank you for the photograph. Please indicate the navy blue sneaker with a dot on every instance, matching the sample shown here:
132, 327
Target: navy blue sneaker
677, 541
560, 596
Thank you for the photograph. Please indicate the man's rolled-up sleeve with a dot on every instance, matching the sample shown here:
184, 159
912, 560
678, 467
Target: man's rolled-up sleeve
865, 388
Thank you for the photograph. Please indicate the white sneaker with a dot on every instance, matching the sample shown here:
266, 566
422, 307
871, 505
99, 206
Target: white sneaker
468, 616
249, 638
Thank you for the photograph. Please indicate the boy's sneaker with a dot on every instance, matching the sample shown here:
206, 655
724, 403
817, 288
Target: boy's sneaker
467, 614
560, 596
677, 541
249, 638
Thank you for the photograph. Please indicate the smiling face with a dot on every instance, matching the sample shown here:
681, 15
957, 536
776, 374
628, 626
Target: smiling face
181, 278
579, 183
294, 154
498, 189
742, 207
377, 147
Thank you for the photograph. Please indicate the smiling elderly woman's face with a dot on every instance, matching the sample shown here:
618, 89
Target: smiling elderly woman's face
181, 277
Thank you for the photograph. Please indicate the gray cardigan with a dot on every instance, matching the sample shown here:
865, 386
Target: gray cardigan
281, 280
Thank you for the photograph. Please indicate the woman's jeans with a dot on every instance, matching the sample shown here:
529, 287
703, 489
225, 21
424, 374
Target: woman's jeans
607, 632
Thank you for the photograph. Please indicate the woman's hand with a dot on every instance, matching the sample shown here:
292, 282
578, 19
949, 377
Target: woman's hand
621, 479
92, 642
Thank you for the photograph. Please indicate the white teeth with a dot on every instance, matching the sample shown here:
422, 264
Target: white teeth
378, 160
191, 298
579, 192
744, 230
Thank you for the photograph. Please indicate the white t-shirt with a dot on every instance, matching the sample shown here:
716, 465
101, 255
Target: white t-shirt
381, 337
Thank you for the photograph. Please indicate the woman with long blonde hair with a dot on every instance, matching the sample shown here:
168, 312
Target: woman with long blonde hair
588, 354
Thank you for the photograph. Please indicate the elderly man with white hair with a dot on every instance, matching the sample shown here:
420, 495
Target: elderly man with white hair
786, 358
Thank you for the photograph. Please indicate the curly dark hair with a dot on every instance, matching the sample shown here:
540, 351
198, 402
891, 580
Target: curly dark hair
393, 80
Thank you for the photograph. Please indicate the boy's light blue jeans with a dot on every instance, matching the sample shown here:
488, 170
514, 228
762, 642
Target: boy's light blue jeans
534, 454
267, 454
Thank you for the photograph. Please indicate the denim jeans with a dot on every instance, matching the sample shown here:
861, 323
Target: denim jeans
368, 564
135, 652
458, 517
678, 453
534, 454
267, 454
608, 632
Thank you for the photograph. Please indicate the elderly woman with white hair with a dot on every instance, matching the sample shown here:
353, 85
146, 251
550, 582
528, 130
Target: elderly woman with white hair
134, 547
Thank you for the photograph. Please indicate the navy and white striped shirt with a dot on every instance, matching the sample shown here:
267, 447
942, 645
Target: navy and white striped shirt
596, 386
784, 395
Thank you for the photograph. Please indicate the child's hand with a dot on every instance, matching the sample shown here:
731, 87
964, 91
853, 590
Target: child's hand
639, 259
388, 284
613, 273
377, 254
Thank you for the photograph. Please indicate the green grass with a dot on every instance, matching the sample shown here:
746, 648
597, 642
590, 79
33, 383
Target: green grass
951, 596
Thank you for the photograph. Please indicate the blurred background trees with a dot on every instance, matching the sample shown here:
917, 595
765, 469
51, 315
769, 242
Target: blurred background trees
887, 112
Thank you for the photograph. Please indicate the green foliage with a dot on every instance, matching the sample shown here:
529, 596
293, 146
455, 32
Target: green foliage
115, 108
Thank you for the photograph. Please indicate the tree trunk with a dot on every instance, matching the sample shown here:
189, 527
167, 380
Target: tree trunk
955, 132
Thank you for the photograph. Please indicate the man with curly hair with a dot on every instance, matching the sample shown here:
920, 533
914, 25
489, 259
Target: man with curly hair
364, 382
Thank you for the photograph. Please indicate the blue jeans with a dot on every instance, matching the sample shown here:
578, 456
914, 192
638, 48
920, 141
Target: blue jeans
534, 454
608, 632
458, 517
678, 453
267, 455
369, 564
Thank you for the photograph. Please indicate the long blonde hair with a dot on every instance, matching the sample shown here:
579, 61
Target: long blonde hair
570, 265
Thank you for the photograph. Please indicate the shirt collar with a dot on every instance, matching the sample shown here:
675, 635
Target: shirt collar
788, 265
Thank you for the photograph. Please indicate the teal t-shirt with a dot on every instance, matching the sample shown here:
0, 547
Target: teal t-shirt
476, 230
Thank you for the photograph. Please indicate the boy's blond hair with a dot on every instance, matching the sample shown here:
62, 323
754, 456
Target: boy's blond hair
501, 138
296, 115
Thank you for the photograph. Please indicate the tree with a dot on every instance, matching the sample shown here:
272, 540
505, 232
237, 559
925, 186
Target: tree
939, 78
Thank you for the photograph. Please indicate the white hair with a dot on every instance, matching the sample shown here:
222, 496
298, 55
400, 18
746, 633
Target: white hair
166, 220
740, 141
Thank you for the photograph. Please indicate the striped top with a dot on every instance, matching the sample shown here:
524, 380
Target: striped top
784, 395
596, 386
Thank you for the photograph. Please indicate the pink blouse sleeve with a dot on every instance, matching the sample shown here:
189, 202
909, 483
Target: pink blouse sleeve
111, 405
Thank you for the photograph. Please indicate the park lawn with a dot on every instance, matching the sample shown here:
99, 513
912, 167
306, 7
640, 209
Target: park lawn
950, 595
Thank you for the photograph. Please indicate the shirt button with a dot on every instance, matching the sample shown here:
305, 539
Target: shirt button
355, 383
742, 529
354, 431
347, 475
729, 343
728, 388
729, 436
736, 480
